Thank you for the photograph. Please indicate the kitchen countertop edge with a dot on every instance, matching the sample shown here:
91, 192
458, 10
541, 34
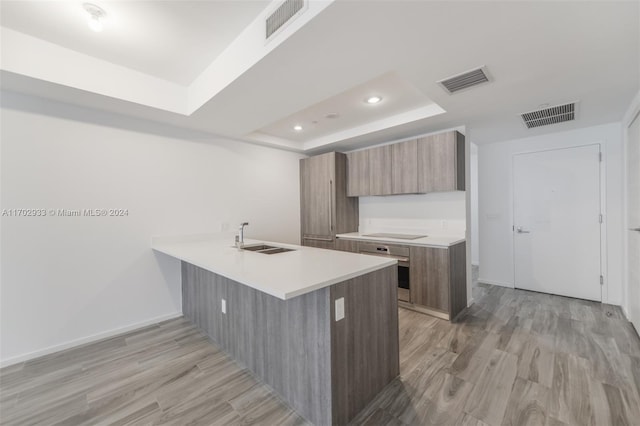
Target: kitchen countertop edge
172, 247
429, 241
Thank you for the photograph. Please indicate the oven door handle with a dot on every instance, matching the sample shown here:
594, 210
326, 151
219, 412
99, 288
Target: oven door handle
403, 263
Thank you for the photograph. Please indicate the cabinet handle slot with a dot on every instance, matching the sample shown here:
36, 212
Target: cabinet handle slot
331, 206
317, 238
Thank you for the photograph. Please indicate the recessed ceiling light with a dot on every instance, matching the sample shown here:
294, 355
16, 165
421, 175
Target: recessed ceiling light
297, 127
96, 16
373, 99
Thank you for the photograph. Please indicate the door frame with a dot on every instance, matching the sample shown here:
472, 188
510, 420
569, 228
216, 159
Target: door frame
630, 116
604, 288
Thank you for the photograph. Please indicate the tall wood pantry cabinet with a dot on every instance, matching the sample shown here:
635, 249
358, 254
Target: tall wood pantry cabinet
325, 209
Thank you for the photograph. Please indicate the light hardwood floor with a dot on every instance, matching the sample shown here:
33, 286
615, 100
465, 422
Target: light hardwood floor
516, 358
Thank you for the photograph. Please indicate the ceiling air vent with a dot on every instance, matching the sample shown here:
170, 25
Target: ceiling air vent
551, 115
284, 13
465, 80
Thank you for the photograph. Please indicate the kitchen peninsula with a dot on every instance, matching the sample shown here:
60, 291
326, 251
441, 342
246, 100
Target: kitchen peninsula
318, 326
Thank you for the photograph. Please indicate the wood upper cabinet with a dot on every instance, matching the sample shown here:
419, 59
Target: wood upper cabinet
429, 164
380, 170
404, 167
358, 173
325, 209
441, 162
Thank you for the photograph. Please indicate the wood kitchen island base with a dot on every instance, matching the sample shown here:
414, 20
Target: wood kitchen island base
326, 370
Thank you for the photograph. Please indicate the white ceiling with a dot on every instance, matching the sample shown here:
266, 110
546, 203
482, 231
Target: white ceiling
352, 110
172, 40
536, 52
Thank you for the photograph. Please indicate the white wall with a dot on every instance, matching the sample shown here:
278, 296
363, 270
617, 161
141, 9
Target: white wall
65, 280
474, 225
496, 201
439, 212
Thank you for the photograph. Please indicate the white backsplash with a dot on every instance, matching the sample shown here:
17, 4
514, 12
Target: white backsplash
438, 214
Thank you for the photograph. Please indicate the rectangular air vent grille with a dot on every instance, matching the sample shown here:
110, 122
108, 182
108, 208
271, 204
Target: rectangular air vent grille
465, 80
282, 14
551, 115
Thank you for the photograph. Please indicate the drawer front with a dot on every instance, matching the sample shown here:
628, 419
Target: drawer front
384, 248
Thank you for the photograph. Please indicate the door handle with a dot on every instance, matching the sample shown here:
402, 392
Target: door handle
521, 231
634, 229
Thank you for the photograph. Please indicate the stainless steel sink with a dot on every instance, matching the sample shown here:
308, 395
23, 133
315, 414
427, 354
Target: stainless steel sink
258, 247
265, 249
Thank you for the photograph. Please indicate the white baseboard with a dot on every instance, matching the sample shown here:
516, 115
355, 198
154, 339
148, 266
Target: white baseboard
492, 282
624, 311
85, 340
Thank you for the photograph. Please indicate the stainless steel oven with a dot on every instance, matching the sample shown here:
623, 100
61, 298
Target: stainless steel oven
401, 254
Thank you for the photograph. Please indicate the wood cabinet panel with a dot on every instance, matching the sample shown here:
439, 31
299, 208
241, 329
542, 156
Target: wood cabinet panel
441, 162
345, 209
326, 370
430, 277
316, 174
429, 164
358, 173
328, 244
405, 167
461, 181
380, 170
258, 329
346, 245
325, 209
458, 276
365, 344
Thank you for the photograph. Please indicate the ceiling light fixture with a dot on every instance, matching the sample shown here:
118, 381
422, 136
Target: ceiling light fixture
373, 99
297, 127
96, 16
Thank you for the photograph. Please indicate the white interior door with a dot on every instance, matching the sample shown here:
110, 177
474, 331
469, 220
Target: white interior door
557, 221
633, 219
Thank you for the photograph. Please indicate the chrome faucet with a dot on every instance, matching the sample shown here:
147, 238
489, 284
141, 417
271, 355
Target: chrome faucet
240, 236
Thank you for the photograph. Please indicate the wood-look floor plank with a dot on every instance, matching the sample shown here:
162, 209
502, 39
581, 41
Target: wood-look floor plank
552, 421
489, 398
536, 363
472, 360
465, 419
570, 390
444, 397
528, 404
515, 358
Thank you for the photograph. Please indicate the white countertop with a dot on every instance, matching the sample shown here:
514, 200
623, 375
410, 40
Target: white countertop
428, 241
283, 275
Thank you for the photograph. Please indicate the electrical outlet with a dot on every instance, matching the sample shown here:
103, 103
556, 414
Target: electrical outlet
224, 306
339, 309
